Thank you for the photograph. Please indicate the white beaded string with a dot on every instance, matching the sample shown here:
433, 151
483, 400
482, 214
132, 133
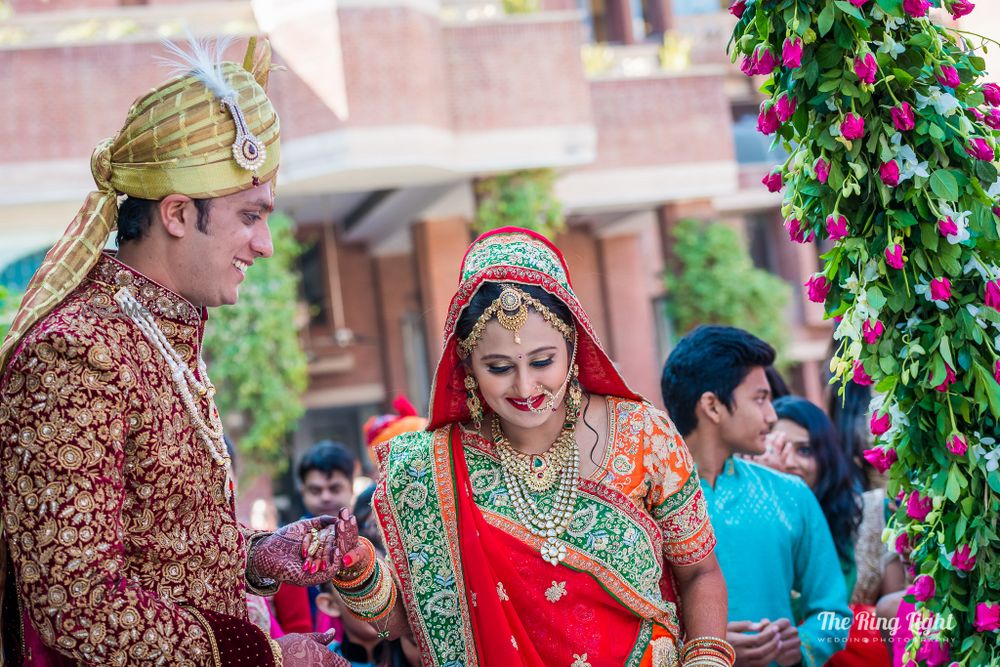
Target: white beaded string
211, 432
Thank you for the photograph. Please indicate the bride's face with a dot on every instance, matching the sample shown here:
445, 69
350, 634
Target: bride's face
512, 377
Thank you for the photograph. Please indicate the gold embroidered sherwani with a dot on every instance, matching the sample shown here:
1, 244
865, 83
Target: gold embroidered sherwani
124, 546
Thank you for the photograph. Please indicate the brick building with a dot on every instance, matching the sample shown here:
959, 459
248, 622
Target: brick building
390, 110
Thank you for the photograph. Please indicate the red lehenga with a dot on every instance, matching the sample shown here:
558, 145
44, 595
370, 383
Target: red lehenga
476, 589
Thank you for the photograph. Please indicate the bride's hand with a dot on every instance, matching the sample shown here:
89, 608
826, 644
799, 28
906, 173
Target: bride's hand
355, 554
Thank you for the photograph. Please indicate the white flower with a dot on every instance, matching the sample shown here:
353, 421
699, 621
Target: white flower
944, 103
987, 272
975, 313
994, 190
891, 46
961, 220
893, 23
834, 129
831, 104
985, 449
900, 422
912, 323
924, 290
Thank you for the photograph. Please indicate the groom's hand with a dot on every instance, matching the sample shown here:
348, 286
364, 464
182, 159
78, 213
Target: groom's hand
303, 553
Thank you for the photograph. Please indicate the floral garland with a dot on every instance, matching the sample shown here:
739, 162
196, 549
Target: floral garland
892, 141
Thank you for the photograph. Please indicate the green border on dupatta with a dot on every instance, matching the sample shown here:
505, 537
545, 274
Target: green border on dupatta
416, 507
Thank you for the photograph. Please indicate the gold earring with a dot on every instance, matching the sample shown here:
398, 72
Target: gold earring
472, 401
574, 394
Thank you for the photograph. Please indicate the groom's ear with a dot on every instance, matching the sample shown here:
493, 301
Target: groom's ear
327, 604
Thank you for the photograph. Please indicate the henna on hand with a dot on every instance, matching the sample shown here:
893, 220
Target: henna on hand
355, 555
284, 555
309, 650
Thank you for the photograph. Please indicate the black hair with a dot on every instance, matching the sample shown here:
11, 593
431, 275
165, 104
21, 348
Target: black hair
489, 292
777, 383
836, 489
327, 457
135, 216
713, 359
850, 415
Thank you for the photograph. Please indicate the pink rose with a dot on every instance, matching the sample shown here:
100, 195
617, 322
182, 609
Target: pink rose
991, 92
748, 66
889, 173
785, 107
918, 507
859, 3
894, 256
818, 287
963, 559
853, 126
996, 372
949, 77
767, 121
881, 459
949, 379
773, 181
977, 114
871, 332
916, 8
836, 229
961, 8
822, 169
766, 62
924, 587
933, 652
987, 617
791, 53
993, 294
947, 227
797, 231
902, 117
866, 68
992, 118
880, 423
861, 376
903, 544
737, 8
979, 149
940, 289
957, 445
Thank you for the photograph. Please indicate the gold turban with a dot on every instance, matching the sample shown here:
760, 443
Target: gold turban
180, 138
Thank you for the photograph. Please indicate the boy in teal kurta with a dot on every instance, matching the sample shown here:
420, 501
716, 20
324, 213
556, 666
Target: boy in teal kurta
773, 540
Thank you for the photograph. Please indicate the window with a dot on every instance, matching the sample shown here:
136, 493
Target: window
313, 270
596, 20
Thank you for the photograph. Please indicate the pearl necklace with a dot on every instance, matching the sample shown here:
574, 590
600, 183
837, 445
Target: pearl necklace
547, 525
209, 432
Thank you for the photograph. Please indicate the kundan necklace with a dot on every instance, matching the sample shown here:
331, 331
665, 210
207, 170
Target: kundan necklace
210, 431
524, 474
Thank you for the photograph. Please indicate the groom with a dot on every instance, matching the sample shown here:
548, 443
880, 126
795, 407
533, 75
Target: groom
116, 489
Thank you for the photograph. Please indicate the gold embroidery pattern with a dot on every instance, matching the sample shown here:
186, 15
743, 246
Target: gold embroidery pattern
114, 512
502, 592
556, 591
580, 660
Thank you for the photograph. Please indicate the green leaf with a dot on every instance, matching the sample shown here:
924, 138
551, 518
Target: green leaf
935, 131
848, 8
829, 84
946, 351
876, 298
956, 480
902, 76
944, 185
903, 218
825, 21
893, 7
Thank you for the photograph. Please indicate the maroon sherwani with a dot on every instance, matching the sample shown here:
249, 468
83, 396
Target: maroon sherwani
124, 547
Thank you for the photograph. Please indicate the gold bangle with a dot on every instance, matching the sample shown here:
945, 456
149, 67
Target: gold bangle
346, 579
203, 622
